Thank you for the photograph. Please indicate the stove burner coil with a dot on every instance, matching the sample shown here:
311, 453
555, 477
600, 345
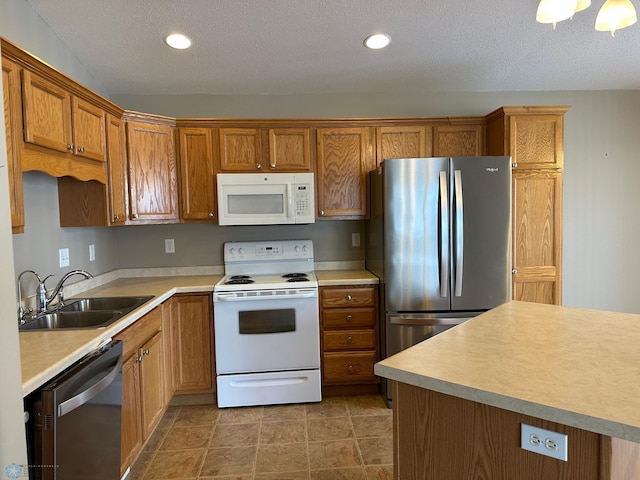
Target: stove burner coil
239, 281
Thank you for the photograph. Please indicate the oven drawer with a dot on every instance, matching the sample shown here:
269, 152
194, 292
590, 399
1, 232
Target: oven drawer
349, 340
348, 318
351, 367
348, 297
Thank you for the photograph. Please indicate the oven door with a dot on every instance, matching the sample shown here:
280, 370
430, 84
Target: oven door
266, 332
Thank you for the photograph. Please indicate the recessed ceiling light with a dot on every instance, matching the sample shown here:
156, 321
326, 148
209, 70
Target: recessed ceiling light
377, 41
178, 40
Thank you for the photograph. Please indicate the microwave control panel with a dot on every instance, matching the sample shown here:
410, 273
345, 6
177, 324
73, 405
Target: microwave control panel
303, 200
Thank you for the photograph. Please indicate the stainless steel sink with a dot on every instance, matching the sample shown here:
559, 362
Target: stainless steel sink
67, 320
125, 304
86, 313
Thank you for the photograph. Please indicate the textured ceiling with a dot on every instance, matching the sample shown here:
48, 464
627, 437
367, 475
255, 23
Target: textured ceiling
315, 46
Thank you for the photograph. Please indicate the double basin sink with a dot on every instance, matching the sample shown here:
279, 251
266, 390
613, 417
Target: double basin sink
84, 313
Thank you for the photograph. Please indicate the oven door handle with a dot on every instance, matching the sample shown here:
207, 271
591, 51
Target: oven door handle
233, 297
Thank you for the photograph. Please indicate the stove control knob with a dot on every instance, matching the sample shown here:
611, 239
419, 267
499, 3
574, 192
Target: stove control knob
296, 248
241, 251
304, 248
232, 251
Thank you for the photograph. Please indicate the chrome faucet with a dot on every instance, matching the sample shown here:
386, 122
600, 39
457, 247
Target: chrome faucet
57, 290
22, 313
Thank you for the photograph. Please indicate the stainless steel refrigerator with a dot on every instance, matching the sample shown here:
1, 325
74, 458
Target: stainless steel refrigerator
439, 240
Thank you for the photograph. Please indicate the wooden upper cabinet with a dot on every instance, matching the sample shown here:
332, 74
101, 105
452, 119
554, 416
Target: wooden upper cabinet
88, 130
197, 179
457, 141
152, 173
290, 149
240, 150
13, 128
54, 119
403, 142
47, 113
345, 157
536, 141
265, 149
118, 177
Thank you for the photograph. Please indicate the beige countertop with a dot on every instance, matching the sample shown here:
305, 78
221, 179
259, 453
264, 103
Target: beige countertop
44, 354
572, 366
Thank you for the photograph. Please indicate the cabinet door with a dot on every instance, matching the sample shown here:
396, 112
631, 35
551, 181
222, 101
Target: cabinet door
152, 173
240, 150
537, 241
13, 127
169, 346
403, 142
457, 141
152, 383
131, 438
88, 130
194, 344
197, 180
289, 150
536, 141
47, 113
118, 181
345, 157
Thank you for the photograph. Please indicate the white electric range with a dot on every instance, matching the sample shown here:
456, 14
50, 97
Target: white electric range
267, 328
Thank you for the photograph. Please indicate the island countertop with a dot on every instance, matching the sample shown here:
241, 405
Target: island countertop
573, 366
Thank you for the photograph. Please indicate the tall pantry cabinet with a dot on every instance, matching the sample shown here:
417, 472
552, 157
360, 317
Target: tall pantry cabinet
533, 137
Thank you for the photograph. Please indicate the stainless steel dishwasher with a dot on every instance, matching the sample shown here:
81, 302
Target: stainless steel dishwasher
75, 420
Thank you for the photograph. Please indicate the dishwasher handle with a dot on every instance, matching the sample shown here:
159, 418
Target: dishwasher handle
87, 394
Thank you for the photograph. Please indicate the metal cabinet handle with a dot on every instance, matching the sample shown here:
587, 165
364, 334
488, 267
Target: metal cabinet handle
514, 165
322, 213
145, 351
273, 165
348, 298
139, 359
116, 217
80, 149
514, 271
349, 339
210, 214
350, 369
349, 317
70, 146
134, 216
258, 166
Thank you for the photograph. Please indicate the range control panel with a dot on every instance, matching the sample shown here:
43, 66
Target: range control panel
268, 251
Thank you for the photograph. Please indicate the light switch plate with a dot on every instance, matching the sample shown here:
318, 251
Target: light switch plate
169, 245
355, 239
63, 256
92, 253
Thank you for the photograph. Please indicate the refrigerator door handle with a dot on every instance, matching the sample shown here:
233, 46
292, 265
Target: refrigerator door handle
444, 235
459, 233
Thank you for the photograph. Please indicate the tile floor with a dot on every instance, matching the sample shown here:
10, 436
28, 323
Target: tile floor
340, 438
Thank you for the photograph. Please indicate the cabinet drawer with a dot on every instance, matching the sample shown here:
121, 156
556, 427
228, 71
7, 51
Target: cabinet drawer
349, 340
348, 318
348, 297
352, 367
139, 332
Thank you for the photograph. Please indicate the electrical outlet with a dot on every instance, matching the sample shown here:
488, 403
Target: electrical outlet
544, 442
169, 245
355, 239
92, 253
63, 256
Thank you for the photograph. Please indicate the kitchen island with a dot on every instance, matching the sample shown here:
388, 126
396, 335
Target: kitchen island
460, 397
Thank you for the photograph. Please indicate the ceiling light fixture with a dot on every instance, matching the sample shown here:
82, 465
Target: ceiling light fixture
178, 41
377, 41
614, 14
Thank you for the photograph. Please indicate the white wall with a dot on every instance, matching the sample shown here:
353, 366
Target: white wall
12, 439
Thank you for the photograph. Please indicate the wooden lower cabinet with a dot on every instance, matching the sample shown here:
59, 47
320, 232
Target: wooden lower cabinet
143, 399
437, 436
194, 361
349, 335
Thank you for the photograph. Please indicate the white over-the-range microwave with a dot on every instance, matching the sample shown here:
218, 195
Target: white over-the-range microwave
265, 198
